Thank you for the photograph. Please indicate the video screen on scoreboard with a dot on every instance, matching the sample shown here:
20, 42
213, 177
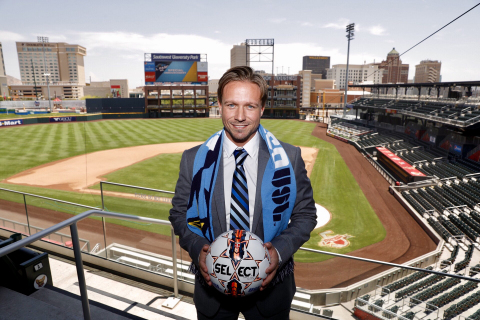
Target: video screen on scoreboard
173, 68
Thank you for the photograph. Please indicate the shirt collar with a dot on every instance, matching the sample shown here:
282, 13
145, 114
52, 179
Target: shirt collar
251, 146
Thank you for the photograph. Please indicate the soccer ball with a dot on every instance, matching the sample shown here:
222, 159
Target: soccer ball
236, 263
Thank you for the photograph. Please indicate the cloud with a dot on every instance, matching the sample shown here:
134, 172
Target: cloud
10, 36
377, 30
307, 24
341, 24
216, 31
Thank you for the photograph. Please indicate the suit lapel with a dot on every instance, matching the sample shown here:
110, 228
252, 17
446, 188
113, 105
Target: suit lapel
219, 215
263, 156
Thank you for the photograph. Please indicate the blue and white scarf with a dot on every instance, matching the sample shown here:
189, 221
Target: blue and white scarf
278, 191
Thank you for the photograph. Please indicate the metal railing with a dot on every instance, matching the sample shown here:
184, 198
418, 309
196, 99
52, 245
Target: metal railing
72, 223
28, 231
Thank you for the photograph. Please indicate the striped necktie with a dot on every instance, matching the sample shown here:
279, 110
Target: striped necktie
239, 213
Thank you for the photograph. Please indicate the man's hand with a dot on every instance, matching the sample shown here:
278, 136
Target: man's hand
202, 262
272, 268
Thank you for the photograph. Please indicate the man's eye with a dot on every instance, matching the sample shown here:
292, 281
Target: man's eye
231, 106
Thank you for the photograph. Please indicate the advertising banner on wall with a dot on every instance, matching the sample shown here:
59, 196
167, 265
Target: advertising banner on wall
400, 162
175, 68
63, 119
11, 122
115, 90
457, 148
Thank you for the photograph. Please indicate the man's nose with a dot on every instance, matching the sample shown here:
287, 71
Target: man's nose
240, 114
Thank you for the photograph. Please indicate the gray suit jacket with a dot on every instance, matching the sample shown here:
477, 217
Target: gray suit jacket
302, 221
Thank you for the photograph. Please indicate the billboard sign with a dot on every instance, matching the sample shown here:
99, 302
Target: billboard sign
400, 162
63, 119
149, 77
11, 122
149, 66
457, 148
115, 90
175, 68
175, 57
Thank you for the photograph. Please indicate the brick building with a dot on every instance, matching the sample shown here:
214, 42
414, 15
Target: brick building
394, 71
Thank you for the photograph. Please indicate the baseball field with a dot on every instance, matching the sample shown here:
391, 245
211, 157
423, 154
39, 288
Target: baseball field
25, 149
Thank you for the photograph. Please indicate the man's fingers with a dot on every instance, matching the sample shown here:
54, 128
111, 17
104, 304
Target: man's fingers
202, 262
267, 281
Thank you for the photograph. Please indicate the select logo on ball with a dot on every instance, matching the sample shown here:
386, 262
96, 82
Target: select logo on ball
236, 263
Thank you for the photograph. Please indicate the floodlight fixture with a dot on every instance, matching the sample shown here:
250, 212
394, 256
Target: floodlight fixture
350, 33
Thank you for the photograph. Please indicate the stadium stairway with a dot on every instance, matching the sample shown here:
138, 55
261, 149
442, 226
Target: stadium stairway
53, 303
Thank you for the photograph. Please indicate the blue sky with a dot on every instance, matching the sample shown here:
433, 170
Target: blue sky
117, 33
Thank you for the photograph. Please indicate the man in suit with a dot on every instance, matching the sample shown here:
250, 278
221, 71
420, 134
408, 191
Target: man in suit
242, 95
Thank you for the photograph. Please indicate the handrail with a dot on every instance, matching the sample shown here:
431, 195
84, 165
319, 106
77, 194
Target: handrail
72, 223
51, 199
389, 264
135, 187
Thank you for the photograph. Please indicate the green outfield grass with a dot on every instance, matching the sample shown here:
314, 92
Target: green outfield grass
4, 116
333, 184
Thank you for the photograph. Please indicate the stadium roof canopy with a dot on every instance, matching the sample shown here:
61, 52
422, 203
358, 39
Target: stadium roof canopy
418, 85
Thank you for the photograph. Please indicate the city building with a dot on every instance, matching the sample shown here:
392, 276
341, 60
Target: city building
136, 92
2, 63
394, 71
63, 61
317, 64
238, 55
357, 73
213, 86
57, 90
306, 76
428, 71
3, 76
283, 96
114, 88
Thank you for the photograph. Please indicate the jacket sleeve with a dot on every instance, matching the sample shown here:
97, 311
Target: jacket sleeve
189, 241
304, 215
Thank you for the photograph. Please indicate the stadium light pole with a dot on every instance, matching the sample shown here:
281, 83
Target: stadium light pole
350, 33
44, 40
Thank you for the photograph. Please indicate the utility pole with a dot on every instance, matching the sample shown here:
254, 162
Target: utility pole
350, 33
44, 40
34, 79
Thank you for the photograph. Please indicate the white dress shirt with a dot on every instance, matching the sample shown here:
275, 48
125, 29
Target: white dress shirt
250, 166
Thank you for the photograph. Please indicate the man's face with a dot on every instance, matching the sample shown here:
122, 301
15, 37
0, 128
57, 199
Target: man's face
241, 110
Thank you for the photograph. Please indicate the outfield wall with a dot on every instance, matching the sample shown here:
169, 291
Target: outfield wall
124, 105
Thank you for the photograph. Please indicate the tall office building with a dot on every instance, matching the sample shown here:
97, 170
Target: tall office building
2, 62
63, 61
357, 73
394, 71
238, 55
428, 71
3, 76
317, 64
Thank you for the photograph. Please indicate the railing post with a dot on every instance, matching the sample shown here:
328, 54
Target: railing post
81, 275
101, 194
174, 257
103, 222
26, 213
